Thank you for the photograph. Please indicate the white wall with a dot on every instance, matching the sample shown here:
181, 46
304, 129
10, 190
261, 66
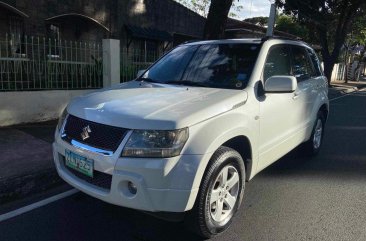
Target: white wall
34, 106
111, 62
335, 71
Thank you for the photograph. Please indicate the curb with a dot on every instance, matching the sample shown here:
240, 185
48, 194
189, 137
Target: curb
337, 90
361, 86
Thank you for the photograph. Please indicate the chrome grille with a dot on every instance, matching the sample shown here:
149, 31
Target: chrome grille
93, 134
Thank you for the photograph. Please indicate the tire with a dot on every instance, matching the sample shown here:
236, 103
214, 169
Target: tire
313, 145
216, 193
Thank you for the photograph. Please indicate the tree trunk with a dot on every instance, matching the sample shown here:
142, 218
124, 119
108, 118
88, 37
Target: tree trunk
216, 19
327, 58
344, 22
328, 68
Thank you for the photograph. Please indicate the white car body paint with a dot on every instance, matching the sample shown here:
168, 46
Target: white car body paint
273, 125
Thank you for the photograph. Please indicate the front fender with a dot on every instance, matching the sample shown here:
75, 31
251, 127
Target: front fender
206, 137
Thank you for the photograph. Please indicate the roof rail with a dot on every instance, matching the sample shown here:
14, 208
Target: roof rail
191, 41
279, 37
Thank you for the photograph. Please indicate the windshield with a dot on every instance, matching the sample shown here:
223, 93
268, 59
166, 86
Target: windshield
208, 65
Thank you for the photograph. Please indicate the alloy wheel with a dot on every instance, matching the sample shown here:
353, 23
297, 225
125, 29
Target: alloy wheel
224, 194
318, 134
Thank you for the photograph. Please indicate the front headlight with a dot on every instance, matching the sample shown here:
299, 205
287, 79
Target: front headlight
154, 143
62, 119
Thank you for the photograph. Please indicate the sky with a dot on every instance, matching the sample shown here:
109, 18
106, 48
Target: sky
253, 8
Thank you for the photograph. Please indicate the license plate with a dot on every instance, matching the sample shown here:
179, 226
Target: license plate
79, 163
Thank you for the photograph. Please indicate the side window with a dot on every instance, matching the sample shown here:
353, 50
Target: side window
316, 63
301, 65
277, 62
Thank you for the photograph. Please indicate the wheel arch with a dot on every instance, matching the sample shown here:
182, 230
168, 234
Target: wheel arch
239, 143
325, 109
242, 145
217, 131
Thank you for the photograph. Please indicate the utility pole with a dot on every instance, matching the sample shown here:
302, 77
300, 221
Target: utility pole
271, 19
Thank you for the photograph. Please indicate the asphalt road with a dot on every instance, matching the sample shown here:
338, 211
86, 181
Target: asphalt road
323, 198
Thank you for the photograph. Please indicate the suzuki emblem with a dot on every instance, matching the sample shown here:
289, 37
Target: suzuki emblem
85, 133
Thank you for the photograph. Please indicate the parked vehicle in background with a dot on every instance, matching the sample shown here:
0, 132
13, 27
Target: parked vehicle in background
187, 134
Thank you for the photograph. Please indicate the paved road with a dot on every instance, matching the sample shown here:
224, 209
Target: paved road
294, 199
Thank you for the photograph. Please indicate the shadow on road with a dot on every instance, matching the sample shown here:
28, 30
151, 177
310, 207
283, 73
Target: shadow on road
116, 223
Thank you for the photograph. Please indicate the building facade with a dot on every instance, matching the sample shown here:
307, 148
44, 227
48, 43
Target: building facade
144, 24
56, 44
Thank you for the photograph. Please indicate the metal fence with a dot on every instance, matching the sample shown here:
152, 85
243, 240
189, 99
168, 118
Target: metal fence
36, 63
133, 60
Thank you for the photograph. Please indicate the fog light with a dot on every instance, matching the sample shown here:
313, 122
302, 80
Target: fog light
132, 188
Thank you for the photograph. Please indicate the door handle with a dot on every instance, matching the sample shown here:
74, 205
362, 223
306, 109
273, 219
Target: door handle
296, 95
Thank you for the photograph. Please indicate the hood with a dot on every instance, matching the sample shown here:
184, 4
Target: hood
141, 105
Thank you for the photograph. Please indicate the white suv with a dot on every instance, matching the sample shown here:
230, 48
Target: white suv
185, 136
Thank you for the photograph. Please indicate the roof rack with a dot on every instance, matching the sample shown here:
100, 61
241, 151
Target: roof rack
279, 37
191, 41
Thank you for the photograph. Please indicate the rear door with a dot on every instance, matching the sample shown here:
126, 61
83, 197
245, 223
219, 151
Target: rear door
320, 82
304, 71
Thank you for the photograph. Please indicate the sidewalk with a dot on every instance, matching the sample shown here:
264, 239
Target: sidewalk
26, 154
339, 88
26, 160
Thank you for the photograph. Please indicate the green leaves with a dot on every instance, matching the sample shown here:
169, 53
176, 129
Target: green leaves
290, 25
328, 23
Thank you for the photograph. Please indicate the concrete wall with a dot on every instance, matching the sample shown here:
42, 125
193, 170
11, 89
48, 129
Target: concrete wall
34, 106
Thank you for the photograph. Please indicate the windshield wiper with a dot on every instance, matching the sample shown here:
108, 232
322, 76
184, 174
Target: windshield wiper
148, 80
185, 82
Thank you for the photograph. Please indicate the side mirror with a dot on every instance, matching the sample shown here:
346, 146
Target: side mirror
280, 84
140, 72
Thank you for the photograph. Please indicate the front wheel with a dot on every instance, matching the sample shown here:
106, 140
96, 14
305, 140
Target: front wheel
220, 195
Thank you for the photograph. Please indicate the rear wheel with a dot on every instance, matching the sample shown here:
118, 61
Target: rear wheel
312, 146
220, 194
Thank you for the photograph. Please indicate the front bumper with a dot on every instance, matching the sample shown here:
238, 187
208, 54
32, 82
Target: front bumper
163, 185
